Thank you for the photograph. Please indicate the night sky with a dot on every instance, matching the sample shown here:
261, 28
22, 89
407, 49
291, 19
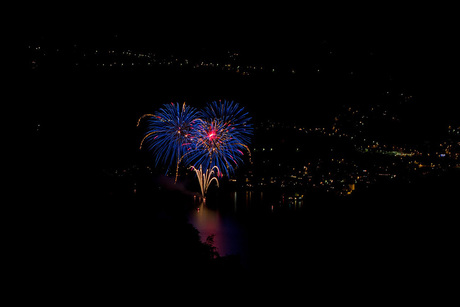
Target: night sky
340, 56
414, 46
79, 111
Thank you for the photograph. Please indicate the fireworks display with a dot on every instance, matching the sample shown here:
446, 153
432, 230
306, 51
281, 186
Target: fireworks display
221, 137
215, 138
169, 132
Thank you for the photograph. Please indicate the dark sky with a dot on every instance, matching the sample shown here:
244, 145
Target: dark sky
415, 43
415, 48
407, 33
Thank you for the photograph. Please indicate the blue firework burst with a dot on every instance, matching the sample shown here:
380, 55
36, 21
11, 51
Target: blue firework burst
220, 137
169, 132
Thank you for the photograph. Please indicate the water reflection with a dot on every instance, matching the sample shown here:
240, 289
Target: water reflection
229, 235
248, 197
230, 215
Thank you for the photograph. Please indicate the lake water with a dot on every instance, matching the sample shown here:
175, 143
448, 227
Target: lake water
231, 221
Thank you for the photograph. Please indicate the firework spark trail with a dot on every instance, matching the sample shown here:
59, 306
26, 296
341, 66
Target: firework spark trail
206, 178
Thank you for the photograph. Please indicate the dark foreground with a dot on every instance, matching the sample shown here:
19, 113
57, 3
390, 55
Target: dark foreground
392, 239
